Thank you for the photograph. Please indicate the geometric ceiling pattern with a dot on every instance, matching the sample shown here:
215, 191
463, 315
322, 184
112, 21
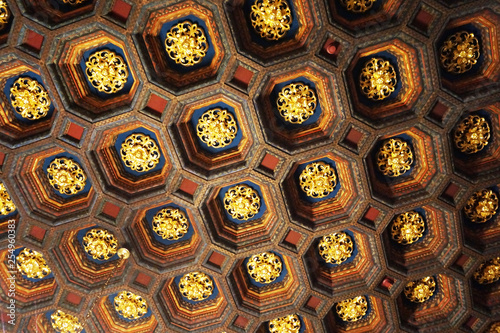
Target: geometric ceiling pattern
249, 166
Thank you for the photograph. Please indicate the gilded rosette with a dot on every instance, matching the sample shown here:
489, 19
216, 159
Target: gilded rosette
286, 324
216, 128
407, 228
106, 71
186, 43
170, 223
7, 206
336, 248
357, 6
29, 98
378, 79
271, 19
130, 305
242, 202
472, 134
318, 180
421, 290
31, 264
140, 152
488, 272
65, 323
481, 206
100, 244
66, 176
296, 103
196, 286
264, 267
4, 14
394, 157
460, 52
352, 309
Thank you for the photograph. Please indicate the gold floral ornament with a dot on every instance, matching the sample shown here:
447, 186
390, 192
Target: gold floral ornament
286, 324
29, 98
460, 52
100, 244
31, 263
170, 223
4, 14
216, 128
494, 328
488, 272
352, 309
481, 206
242, 202
66, 176
394, 157
378, 79
357, 6
130, 305
73, 2
7, 206
336, 248
106, 71
186, 43
318, 180
271, 19
296, 103
196, 286
264, 267
407, 228
140, 152
65, 323
472, 134
421, 290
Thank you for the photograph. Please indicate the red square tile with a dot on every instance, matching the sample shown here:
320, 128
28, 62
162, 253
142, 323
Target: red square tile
331, 47
293, 238
37, 233
270, 162
121, 10
313, 303
75, 131
241, 322
371, 214
156, 103
217, 259
187, 186
111, 210
439, 111
451, 191
353, 137
387, 283
423, 19
2, 158
242, 76
73, 298
143, 279
462, 260
471, 322
33, 40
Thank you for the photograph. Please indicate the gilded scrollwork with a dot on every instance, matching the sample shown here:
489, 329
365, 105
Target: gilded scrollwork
357, 6
352, 309
130, 305
7, 206
106, 71
140, 152
296, 103
170, 223
472, 134
481, 206
66, 176
286, 324
73, 2
318, 179
196, 286
4, 14
217, 128
421, 290
186, 43
394, 157
29, 98
408, 227
100, 244
65, 323
460, 52
488, 272
271, 19
378, 79
32, 264
264, 267
242, 202
336, 248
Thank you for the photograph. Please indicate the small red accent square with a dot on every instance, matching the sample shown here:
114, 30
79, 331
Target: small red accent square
439, 111
121, 10
353, 137
293, 238
156, 103
111, 210
371, 214
462, 260
143, 279
187, 186
242, 76
73, 298
241, 322
313, 303
217, 259
331, 47
387, 283
451, 191
75, 131
270, 162
37, 233
33, 40
423, 19
2, 158
471, 322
